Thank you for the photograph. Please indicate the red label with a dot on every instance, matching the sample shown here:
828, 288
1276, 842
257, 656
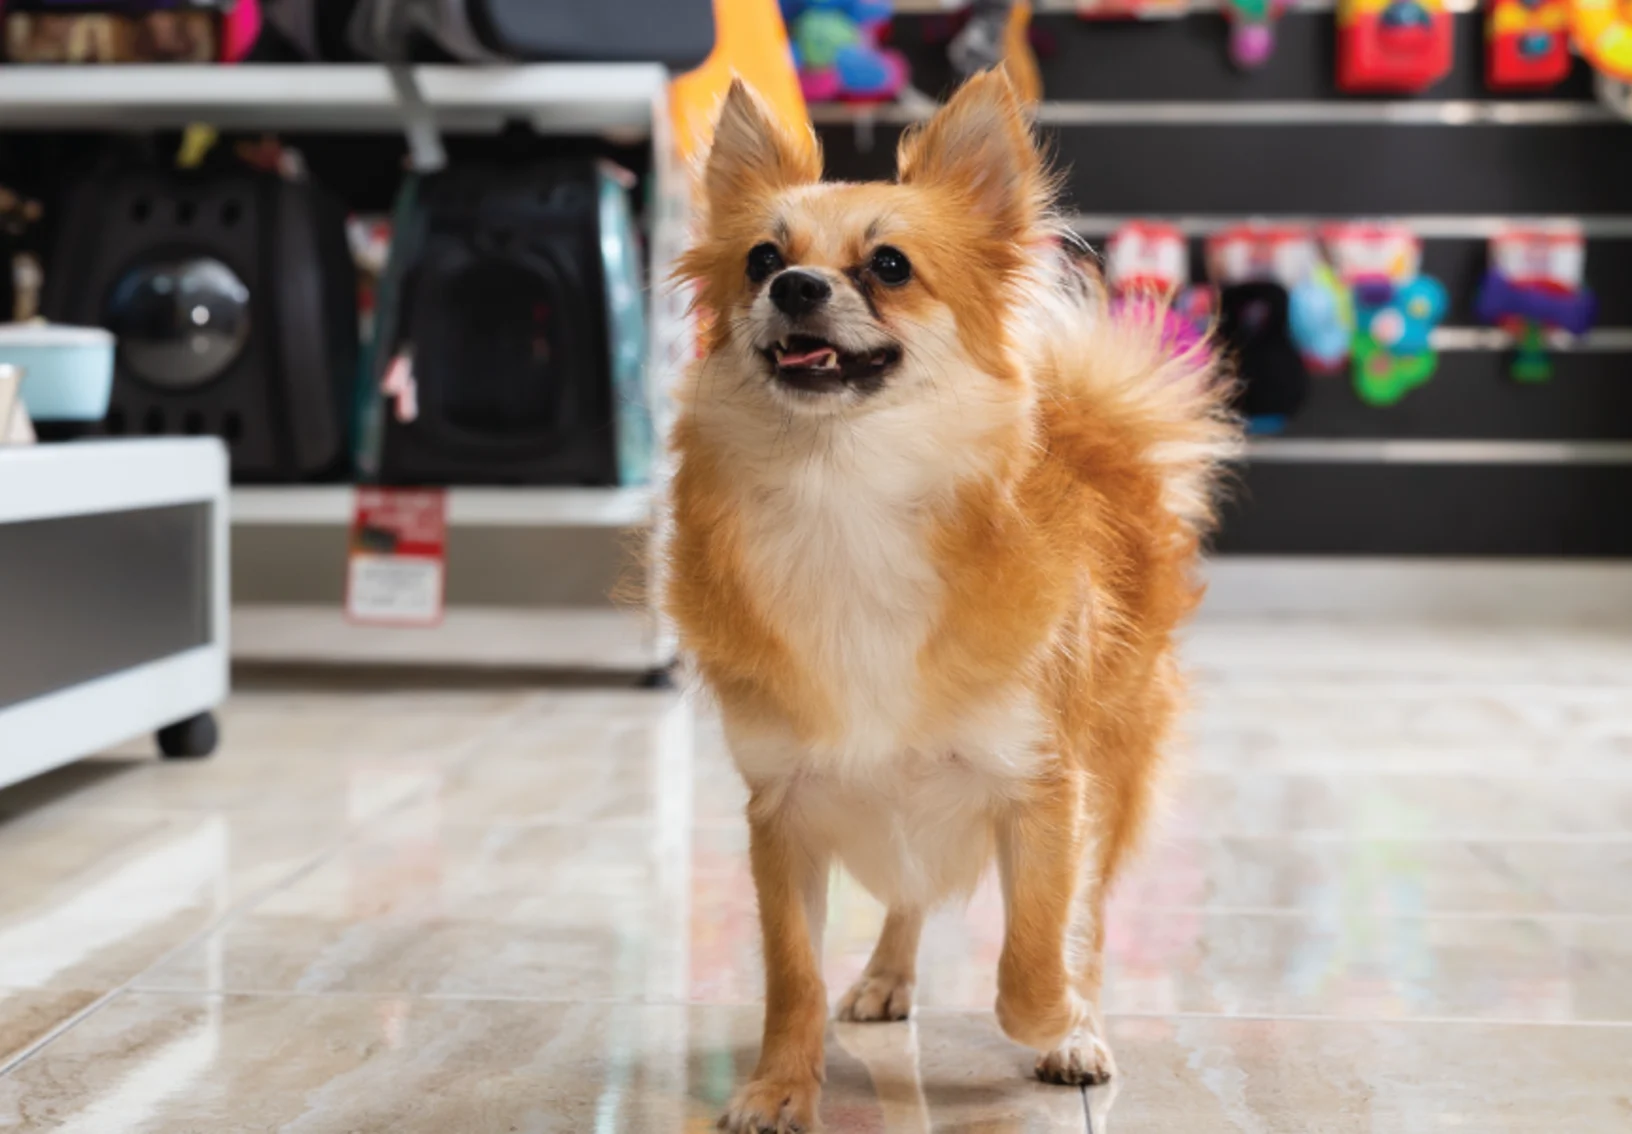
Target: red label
396, 572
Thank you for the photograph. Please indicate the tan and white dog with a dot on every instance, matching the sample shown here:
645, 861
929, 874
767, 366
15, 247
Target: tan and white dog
934, 517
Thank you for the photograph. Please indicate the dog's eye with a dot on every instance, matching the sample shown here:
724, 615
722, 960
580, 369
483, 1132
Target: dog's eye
763, 259
891, 266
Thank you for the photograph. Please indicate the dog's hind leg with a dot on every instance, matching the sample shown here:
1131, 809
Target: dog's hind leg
884, 991
1119, 800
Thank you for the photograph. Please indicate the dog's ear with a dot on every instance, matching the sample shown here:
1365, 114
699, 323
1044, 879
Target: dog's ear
753, 154
979, 147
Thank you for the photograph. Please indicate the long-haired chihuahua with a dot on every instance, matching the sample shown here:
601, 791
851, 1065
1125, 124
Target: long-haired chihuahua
934, 522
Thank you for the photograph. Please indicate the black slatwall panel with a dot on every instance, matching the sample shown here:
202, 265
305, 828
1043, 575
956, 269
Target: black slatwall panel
1183, 60
1471, 397
1329, 168
1573, 164
1460, 510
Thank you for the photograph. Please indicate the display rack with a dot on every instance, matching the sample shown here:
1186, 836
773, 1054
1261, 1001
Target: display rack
624, 102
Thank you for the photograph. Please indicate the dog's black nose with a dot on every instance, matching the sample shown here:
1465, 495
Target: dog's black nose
797, 292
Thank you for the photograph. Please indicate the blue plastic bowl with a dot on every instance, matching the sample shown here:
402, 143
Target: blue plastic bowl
67, 371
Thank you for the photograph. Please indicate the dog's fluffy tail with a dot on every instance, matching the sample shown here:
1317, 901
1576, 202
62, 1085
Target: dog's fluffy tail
1162, 397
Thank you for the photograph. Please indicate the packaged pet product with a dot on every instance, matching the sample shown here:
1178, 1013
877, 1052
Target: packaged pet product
130, 31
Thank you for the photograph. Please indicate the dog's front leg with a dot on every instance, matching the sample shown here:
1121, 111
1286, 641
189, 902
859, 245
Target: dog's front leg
1041, 845
791, 881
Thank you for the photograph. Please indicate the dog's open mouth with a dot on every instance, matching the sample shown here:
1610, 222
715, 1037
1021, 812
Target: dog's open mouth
808, 363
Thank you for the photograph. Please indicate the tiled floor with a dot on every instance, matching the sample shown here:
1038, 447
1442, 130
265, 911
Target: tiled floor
1393, 893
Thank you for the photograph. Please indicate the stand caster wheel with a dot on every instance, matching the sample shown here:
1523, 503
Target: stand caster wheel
662, 677
190, 739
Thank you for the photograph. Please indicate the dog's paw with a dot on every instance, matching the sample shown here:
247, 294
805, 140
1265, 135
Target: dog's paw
877, 998
1082, 1060
772, 1106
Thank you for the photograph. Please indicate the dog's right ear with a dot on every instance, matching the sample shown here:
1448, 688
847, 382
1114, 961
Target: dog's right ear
753, 154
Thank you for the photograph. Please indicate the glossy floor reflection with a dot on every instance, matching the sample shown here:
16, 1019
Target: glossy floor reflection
1392, 892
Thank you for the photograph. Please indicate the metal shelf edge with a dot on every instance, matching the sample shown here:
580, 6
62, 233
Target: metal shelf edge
331, 505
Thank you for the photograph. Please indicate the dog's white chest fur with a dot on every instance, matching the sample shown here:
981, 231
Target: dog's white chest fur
839, 552
852, 590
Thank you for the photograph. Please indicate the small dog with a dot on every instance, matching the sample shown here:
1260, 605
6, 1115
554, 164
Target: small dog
934, 521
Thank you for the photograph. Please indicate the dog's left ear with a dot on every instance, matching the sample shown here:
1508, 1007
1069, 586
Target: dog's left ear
979, 146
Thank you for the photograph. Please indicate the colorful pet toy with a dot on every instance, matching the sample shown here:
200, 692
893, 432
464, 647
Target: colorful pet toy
1322, 320
1255, 268
1393, 45
1603, 34
1132, 9
1146, 268
1527, 44
837, 48
1396, 308
1252, 30
1535, 286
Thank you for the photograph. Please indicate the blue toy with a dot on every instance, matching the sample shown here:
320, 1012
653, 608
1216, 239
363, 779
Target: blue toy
1322, 320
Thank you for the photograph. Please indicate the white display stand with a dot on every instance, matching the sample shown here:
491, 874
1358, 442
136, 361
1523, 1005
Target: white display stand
113, 580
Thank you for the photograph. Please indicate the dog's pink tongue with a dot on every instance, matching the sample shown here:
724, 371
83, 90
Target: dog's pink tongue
823, 356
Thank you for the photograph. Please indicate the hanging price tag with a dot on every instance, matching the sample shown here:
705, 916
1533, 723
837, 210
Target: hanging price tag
396, 570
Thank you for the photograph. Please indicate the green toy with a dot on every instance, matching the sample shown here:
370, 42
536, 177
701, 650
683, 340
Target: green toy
1381, 377
1393, 347
1531, 361
823, 33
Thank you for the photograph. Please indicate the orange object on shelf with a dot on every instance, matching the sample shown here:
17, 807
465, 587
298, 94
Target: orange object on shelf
1603, 34
1019, 60
751, 42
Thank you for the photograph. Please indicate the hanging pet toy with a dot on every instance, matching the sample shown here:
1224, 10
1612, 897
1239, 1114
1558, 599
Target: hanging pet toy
1399, 46
1534, 286
1256, 269
1147, 265
1252, 30
1527, 44
1396, 308
838, 48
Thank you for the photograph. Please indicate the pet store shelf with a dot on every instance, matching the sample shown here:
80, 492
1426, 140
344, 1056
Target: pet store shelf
1289, 112
331, 505
498, 637
1427, 226
1600, 340
555, 97
1335, 450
